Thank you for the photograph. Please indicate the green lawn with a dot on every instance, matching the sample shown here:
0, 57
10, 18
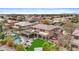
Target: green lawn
41, 43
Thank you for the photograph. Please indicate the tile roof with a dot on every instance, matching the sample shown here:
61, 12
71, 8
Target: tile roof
76, 32
44, 27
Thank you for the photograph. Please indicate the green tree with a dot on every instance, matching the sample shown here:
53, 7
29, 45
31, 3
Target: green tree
75, 19
49, 47
2, 35
2, 42
45, 21
45, 46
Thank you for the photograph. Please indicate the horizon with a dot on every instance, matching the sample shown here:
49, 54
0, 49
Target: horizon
39, 10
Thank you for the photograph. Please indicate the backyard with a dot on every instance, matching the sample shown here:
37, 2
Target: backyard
39, 42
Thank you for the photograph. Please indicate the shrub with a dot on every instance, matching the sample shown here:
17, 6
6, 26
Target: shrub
3, 42
20, 47
75, 20
49, 47
10, 42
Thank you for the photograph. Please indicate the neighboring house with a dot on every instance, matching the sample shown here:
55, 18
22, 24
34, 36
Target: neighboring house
23, 25
60, 21
20, 18
10, 23
75, 40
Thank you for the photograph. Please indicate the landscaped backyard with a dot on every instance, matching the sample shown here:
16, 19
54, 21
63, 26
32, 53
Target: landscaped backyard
44, 44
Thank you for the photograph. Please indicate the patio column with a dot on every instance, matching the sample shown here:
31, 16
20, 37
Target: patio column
42, 36
34, 35
37, 35
28, 36
47, 37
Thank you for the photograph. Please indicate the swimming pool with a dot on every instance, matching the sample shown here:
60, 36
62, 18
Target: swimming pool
16, 38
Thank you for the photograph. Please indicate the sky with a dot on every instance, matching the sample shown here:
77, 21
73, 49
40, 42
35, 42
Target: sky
39, 10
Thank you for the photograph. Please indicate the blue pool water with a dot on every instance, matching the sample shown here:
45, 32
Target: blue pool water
17, 38
17, 41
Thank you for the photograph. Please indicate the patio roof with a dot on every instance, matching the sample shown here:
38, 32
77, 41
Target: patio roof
43, 33
45, 27
26, 32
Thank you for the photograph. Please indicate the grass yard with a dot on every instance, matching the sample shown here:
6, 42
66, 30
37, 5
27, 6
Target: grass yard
40, 43
36, 43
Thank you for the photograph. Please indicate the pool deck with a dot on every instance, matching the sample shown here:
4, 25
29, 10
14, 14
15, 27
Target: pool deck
27, 41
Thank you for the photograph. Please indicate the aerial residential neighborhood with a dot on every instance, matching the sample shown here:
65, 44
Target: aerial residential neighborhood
39, 32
